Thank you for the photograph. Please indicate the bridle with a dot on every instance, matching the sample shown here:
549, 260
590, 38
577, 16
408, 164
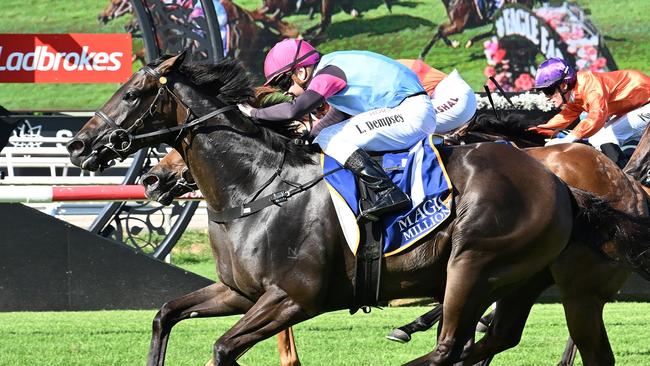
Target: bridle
120, 140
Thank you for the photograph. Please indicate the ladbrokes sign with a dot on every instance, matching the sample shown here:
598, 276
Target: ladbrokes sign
65, 58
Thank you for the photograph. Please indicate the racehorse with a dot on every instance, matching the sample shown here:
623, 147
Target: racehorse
464, 14
245, 38
586, 280
586, 284
511, 217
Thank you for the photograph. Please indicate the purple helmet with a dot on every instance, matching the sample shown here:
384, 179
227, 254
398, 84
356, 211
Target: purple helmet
554, 71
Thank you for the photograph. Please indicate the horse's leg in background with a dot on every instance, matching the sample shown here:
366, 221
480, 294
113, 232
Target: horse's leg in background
569, 354
214, 300
478, 38
422, 323
348, 7
510, 317
456, 25
287, 348
427, 48
317, 32
585, 288
273, 312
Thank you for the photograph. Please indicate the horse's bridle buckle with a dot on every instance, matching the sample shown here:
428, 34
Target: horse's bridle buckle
280, 197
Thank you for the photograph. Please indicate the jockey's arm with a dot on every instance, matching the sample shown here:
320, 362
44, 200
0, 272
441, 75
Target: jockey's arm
327, 82
596, 117
564, 118
332, 117
294, 110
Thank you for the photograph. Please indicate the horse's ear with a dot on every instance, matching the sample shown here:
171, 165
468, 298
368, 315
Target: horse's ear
172, 62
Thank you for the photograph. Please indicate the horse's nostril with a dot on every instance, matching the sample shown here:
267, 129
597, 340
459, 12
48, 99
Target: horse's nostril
150, 181
75, 146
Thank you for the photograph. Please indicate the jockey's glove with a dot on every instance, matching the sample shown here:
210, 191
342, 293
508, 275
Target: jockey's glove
562, 140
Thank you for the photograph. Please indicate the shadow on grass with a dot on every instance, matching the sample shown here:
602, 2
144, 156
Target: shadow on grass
377, 26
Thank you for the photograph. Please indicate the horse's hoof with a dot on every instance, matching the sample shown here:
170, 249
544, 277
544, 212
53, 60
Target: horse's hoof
354, 13
455, 44
398, 335
468, 44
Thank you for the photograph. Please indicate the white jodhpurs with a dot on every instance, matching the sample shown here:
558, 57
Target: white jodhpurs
625, 128
381, 129
454, 101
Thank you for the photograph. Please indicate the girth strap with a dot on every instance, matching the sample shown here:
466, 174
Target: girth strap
274, 199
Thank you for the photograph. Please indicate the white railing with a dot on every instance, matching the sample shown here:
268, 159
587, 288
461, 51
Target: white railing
26, 152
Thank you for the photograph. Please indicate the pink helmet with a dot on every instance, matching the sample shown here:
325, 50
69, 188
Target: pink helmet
286, 56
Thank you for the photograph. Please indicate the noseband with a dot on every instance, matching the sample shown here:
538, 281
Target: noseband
120, 139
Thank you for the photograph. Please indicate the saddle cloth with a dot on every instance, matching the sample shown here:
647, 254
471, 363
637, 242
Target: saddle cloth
420, 173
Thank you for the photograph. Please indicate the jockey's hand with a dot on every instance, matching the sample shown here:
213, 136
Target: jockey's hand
562, 140
245, 109
542, 130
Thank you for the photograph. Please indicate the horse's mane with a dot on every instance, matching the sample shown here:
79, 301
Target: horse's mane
227, 78
513, 124
230, 81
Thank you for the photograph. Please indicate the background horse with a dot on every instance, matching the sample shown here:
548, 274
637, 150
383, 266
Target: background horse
464, 14
511, 217
586, 279
280, 8
246, 37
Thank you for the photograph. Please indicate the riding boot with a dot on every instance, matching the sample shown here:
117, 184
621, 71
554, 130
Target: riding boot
615, 153
388, 196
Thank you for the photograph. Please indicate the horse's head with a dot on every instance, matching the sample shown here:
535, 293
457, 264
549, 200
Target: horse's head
114, 10
638, 166
144, 102
169, 179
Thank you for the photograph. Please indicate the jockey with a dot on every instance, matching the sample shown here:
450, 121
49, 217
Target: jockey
617, 101
380, 104
455, 102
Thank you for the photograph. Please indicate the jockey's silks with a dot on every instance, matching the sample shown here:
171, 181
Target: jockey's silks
373, 81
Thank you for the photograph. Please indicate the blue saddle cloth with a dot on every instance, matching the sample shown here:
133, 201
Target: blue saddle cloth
420, 174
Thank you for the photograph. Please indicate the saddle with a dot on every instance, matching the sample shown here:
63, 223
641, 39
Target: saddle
418, 172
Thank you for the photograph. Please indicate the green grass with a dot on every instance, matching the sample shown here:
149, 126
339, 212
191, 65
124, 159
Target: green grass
401, 34
122, 338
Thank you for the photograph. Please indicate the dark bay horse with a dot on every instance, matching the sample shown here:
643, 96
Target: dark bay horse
586, 279
512, 218
464, 14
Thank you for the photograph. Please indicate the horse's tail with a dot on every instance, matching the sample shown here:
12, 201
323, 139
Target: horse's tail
597, 223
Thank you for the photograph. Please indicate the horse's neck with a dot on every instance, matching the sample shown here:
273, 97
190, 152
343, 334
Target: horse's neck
230, 168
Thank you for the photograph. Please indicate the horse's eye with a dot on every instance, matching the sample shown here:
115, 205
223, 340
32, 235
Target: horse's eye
130, 96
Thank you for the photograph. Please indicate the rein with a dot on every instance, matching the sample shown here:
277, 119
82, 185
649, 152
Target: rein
120, 139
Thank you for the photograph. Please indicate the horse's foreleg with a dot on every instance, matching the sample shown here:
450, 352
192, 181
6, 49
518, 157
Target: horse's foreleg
214, 300
272, 313
427, 48
509, 319
287, 348
466, 297
422, 323
587, 329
